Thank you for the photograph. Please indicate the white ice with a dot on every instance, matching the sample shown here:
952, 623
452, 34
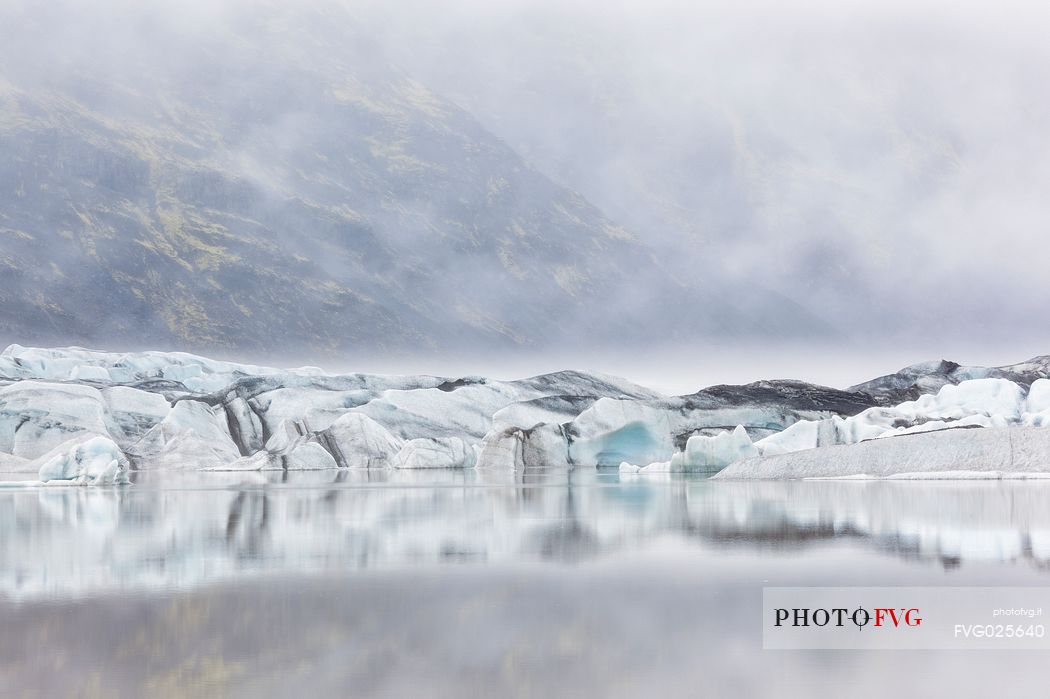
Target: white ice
91, 461
176, 411
959, 453
436, 452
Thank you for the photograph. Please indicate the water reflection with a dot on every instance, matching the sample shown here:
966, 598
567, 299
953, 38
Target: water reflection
188, 529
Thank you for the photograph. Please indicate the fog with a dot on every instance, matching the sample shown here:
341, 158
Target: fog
880, 163
878, 166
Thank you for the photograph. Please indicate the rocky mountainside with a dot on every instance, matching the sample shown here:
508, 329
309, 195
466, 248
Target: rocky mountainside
257, 181
929, 377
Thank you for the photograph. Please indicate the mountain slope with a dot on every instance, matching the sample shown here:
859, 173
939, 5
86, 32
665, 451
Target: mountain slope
259, 182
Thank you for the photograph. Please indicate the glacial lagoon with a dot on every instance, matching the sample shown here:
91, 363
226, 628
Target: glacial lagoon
472, 583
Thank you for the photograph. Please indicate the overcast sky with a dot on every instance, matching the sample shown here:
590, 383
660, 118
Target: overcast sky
884, 164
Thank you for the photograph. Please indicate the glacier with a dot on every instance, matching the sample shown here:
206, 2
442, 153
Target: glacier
95, 417
1022, 452
84, 460
702, 454
978, 428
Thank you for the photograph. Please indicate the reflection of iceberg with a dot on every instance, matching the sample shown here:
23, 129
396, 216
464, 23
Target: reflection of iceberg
949, 521
186, 530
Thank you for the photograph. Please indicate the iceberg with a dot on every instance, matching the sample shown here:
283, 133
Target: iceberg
1016, 452
712, 453
985, 402
612, 431
544, 446
192, 435
436, 452
91, 461
300, 456
609, 431
181, 411
176, 411
975, 428
357, 441
1037, 407
131, 413
37, 416
702, 454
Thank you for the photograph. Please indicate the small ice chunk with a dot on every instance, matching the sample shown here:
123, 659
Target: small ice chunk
94, 461
1039, 396
711, 453
979, 396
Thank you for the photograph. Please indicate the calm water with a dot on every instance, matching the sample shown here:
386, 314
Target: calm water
480, 584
